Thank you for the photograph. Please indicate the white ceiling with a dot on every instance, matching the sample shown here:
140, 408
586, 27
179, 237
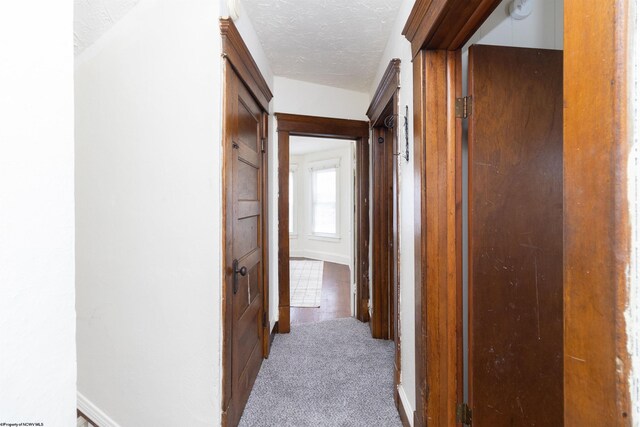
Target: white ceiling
93, 18
331, 42
300, 145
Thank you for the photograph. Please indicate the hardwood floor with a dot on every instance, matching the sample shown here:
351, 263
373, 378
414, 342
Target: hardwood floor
335, 297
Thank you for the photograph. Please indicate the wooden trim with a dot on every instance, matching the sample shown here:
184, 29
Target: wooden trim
438, 187
79, 413
388, 87
596, 230
237, 52
322, 127
402, 411
419, 136
596, 222
445, 24
227, 236
384, 261
266, 344
362, 227
284, 314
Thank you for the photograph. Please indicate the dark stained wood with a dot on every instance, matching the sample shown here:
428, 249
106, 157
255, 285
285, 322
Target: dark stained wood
597, 241
387, 89
79, 413
266, 342
445, 24
284, 323
596, 228
243, 296
385, 319
437, 145
515, 236
383, 168
244, 216
323, 127
336, 297
362, 230
234, 48
419, 188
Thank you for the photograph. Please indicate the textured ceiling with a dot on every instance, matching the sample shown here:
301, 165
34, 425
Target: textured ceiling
300, 145
332, 42
93, 18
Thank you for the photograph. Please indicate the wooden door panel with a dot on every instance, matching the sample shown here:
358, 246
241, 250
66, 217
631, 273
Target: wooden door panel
515, 237
247, 188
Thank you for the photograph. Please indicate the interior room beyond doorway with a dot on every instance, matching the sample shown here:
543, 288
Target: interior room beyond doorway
321, 238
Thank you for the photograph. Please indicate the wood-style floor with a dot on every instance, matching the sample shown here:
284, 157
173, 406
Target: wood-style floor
335, 297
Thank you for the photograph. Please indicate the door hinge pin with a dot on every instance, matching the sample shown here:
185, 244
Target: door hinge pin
463, 414
262, 145
463, 107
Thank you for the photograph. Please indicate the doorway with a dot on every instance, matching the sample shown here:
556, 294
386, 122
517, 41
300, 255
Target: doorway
292, 126
321, 231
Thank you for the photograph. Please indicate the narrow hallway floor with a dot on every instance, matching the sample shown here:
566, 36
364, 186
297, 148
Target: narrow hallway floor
329, 373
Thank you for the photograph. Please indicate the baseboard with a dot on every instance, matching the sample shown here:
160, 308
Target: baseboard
94, 413
274, 331
416, 420
321, 256
404, 408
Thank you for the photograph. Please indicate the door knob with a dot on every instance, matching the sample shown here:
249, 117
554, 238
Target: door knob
241, 271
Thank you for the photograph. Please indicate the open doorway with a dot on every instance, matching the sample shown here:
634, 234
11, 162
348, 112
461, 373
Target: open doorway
324, 171
321, 218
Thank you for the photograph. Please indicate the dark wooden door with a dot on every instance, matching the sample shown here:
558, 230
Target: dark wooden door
384, 205
515, 237
245, 274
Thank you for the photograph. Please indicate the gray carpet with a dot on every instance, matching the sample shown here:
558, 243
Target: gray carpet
330, 373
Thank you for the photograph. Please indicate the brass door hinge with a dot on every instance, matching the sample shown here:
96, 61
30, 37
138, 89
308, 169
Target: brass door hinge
262, 144
463, 414
463, 107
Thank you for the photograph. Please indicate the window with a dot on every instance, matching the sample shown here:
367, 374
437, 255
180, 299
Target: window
324, 200
292, 201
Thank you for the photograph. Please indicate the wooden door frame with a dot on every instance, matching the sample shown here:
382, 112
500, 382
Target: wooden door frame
596, 224
237, 58
323, 127
387, 94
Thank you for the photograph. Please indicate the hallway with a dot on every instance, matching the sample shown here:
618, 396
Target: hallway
330, 373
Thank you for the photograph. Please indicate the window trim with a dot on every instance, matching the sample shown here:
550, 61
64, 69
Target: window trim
320, 165
293, 190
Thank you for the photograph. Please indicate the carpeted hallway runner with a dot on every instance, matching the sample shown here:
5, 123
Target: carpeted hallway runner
330, 373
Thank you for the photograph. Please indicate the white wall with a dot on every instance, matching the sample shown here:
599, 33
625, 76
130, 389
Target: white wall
297, 97
148, 166
304, 244
37, 316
